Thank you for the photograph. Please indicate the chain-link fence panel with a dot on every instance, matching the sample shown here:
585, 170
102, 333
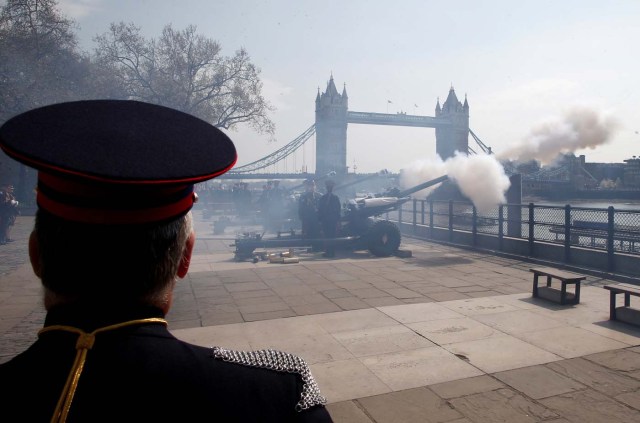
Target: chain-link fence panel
488, 222
626, 231
548, 224
589, 228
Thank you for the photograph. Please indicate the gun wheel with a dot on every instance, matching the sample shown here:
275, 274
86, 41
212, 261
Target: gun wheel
383, 238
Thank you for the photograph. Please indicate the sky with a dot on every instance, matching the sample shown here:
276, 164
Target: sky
525, 67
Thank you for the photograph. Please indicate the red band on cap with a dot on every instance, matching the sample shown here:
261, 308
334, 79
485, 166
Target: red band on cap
115, 217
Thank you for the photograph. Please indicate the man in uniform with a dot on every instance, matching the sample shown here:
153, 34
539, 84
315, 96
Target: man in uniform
8, 213
329, 210
308, 212
112, 236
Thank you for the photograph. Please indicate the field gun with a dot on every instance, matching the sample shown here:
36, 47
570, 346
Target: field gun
360, 228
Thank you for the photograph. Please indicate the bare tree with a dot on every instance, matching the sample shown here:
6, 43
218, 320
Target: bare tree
186, 71
39, 65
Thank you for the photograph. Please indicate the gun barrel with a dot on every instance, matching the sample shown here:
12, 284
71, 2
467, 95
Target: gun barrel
422, 186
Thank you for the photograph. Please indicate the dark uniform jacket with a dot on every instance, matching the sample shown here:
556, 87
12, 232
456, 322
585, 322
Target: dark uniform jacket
142, 373
308, 206
329, 208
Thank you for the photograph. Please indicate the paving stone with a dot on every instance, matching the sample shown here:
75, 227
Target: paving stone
595, 376
538, 382
383, 301
632, 399
447, 296
419, 405
346, 380
305, 309
469, 386
252, 317
590, 406
402, 293
350, 303
624, 360
263, 307
347, 412
502, 405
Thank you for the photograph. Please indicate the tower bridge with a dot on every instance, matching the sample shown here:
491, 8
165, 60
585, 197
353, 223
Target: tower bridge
332, 116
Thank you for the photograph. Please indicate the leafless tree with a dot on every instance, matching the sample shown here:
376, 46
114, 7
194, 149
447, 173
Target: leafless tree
40, 64
186, 71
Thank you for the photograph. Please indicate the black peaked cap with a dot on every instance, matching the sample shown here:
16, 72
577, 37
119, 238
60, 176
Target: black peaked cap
91, 152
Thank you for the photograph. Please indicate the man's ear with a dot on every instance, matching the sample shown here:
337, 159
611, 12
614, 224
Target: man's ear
183, 268
34, 254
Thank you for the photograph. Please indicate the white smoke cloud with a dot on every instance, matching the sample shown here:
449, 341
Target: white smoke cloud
480, 177
580, 128
421, 171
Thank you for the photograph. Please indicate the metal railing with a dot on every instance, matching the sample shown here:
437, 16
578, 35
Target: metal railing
607, 230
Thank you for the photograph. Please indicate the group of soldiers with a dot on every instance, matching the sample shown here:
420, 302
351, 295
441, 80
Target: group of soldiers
8, 212
320, 215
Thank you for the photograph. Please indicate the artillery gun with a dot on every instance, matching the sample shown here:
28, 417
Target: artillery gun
360, 228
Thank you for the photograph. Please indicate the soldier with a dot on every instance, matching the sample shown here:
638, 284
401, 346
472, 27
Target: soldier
113, 234
8, 213
329, 210
308, 212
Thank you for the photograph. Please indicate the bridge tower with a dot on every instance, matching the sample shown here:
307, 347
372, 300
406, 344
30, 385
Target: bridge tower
331, 130
453, 137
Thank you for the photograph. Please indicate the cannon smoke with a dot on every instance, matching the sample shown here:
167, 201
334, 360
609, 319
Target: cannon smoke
580, 128
480, 177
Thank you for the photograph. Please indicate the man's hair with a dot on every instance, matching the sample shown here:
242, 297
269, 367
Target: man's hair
131, 263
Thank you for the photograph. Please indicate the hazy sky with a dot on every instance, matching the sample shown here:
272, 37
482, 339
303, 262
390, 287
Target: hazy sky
523, 64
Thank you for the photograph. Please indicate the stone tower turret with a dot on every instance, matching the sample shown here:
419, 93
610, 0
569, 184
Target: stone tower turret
331, 130
454, 135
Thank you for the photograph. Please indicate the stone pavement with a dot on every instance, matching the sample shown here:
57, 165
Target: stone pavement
448, 335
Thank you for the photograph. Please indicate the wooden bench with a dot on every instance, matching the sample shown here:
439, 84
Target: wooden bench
553, 294
624, 313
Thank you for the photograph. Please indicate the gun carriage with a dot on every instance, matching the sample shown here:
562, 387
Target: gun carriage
360, 227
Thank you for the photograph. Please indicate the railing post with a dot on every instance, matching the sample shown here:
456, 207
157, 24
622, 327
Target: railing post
422, 212
430, 218
450, 220
567, 233
531, 233
415, 214
500, 228
474, 227
400, 215
611, 263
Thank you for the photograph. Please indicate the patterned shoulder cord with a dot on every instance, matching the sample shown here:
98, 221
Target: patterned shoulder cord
83, 345
281, 362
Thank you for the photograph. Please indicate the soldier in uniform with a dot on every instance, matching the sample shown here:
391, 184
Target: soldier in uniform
8, 213
329, 210
112, 236
308, 212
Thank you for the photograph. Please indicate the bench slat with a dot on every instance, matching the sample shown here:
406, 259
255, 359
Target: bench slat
558, 274
624, 287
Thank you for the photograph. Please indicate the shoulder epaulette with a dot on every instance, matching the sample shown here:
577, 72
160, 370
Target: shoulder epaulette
281, 362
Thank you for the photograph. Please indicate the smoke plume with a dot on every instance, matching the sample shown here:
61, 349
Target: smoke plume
580, 128
480, 177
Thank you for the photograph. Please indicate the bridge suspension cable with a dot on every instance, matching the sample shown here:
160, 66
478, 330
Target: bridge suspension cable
482, 145
277, 155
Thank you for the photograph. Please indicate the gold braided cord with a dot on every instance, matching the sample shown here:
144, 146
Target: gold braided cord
83, 345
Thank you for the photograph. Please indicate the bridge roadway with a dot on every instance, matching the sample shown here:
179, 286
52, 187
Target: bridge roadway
447, 335
399, 119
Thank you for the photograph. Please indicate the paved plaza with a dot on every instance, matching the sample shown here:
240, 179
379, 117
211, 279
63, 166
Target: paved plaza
446, 335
